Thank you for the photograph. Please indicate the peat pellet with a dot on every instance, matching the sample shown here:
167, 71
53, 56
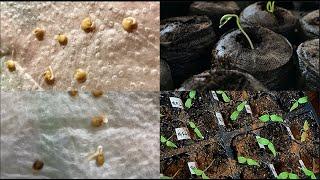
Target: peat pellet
269, 62
308, 54
310, 25
222, 79
166, 82
281, 20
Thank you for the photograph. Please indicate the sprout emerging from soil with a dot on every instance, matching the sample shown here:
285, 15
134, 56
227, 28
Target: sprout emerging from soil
192, 95
201, 173
270, 6
302, 100
236, 113
305, 131
272, 117
309, 173
250, 162
227, 17
167, 142
266, 142
224, 96
195, 129
287, 175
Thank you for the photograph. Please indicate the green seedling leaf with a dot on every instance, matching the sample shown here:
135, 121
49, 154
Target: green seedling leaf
171, 144
293, 176
225, 97
192, 125
242, 159
264, 118
234, 115
224, 19
272, 149
294, 106
276, 118
306, 126
252, 162
197, 171
283, 175
165, 177
163, 139
204, 176
196, 130
241, 106
263, 141
192, 94
308, 173
219, 92
304, 136
303, 100
188, 103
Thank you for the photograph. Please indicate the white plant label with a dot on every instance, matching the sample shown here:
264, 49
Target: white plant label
182, 133
248, 108
192, 165
273, 170
302, 164
176, 102
260, 145
214, 94
290, 133
220, 119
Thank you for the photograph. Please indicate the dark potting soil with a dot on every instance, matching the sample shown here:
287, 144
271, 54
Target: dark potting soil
246, 145
296, 125
289, 162
166, 82
310, 155
175, 166
287, 98
265, 104
254, 172
310, 25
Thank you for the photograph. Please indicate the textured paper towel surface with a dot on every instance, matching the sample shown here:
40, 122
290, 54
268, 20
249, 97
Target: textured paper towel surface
55, 128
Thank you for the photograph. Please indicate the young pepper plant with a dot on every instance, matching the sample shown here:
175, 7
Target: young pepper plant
272, 117
201, 173
224, 19
224, 96
250, 162
192, 95
305, 131
236, 113
270, 6
195, 129
167, 142
287, 175
266, 142
302, 100
309, 173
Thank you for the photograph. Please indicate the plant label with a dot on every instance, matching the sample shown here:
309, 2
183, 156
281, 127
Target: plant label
192, 165
290, 133
248, 109
220, 119
302, 164
176, 102
214, 94
260, 145
273, 170
182, 133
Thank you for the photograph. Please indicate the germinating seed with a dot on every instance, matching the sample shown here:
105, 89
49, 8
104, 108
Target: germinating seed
62, 39
48, 76
129, 24
11, 65
87, 25
97, 92
100, 159
37, 165
80, 75
39, 33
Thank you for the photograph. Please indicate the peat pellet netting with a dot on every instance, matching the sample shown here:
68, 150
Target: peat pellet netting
310, 24
238, 134
269, 61
56, 129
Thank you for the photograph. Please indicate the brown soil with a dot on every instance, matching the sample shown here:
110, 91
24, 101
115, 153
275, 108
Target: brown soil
288, 162
263, 105
247, 146
255, 38
243, 118
254, 172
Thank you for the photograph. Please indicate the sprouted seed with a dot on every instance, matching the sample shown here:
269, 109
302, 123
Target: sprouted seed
97, 92
39, 33
98, 156
87, 25
129, 24
37, 165
62, 39
98, 121
11, 65
48, 76
80, 75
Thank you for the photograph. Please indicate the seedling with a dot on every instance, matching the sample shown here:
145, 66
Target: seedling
270, 6
167, 142
200, 173
287, 175
224, 96
305, 131
309, 173
302, 100
195, 129
266, 142
272, 117
227, 17
250, 162
192, 95
236, 113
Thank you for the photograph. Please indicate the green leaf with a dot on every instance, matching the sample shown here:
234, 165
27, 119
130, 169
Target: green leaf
197, 171
313, 177
192, 125
165, 177
163, 139
224, 19
192, 94
225, 97
241, 106
219, 92
252, 162
283, 175
308, 173
234, 115
304, 136
264, 118
276, 118
171, 144
188, 103
272, 149
196, 130
303, 100
294, 106
263, 141
306, 125
204, 176
242, 159
293, 176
